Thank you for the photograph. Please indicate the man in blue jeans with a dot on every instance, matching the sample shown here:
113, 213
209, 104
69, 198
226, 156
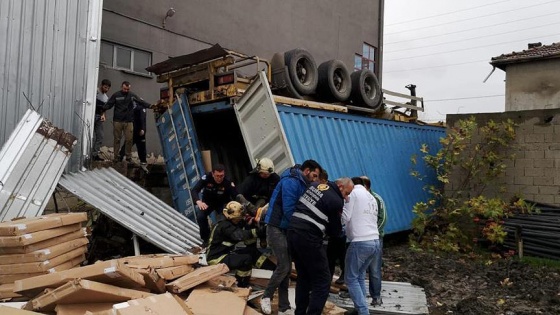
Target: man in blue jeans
374, 269
293, 183
360, 217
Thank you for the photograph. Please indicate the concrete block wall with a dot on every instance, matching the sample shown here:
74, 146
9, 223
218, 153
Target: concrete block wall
534, 173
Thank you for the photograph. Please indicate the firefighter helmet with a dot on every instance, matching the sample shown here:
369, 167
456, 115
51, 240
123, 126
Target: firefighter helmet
233, 210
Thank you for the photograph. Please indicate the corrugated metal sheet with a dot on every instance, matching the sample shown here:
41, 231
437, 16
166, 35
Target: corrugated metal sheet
183, 160
351, 145
134, 208
31, 162
50, 55
260, 125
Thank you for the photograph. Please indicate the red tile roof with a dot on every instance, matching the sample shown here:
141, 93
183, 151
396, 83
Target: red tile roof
536, 53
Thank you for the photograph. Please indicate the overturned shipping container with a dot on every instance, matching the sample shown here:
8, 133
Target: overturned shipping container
260, 124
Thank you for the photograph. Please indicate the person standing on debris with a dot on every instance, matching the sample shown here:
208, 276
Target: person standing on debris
293, 183
225, 235
100, 101
139, 134
124, 102
374, 269
257, 188
217, 191
317, 215
360, 217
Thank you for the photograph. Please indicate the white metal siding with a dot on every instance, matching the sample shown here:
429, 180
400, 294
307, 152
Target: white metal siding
49, 54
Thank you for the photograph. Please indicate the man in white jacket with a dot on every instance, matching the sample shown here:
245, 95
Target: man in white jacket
360, 217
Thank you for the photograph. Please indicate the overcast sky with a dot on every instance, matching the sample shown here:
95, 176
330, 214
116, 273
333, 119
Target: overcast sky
444, 47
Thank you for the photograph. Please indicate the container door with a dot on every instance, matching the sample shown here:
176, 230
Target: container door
181, 151
261, 127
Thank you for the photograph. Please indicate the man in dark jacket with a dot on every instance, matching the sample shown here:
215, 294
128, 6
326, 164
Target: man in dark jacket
293, 183
316, 216
257, 188
139, 136
123, 116
100, 101
225, 235
217, 191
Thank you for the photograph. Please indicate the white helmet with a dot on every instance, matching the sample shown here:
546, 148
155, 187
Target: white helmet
265, 165
233, 210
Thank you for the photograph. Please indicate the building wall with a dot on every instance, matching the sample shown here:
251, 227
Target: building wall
48, 61
329, 29
534, 173
533, 85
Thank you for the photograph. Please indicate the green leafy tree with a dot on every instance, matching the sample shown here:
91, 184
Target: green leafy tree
469, 163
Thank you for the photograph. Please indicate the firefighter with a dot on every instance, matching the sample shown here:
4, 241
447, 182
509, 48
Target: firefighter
224, 238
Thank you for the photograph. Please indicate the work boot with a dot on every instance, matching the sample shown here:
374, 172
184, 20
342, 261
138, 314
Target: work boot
376, 301
243, 282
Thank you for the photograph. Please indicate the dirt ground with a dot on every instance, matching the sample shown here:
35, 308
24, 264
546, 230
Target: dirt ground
457, 284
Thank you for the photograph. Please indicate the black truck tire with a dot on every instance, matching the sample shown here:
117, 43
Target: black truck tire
334, 81
366, 91
302, 70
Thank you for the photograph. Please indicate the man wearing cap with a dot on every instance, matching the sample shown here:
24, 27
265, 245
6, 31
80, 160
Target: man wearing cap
259, 185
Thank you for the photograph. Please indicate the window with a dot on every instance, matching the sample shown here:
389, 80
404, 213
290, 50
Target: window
365, 60
125, 58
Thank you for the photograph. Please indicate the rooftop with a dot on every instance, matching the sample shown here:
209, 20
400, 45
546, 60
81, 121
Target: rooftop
535, 52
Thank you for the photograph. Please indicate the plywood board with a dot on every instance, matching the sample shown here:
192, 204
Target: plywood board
83, 291
109, 272
44, 244
44, 222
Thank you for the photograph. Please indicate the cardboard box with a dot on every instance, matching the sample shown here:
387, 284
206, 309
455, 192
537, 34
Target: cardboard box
5, 310
35, 237
109, 272
43, 265
44, 222
208, 302
159, 260
153, 281
82, 291
80, 309
10, 278
44, 244
157, 304
171, 273
196, 277
7, 291
43, 254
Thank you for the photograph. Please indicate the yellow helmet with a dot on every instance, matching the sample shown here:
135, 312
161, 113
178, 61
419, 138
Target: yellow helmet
233, 210
265, 165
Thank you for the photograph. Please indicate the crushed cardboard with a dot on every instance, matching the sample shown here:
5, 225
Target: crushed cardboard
206, 301
109, 272
172, 273
157, 304
82, 291
80, 309
196, 277
159, 260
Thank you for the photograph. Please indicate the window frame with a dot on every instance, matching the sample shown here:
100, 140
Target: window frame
133, 51
369, 61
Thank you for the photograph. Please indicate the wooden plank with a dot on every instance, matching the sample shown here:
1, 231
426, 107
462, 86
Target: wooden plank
310, 104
